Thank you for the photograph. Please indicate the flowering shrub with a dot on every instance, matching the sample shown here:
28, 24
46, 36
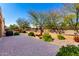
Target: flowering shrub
76, 38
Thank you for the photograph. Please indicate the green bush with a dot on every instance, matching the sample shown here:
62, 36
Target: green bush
31, 34
24, 32
60, 37
16, 33
69, 50
40, 37
47, 37
9, 33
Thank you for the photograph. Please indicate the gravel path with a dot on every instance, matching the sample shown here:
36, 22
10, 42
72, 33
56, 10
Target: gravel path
26, 46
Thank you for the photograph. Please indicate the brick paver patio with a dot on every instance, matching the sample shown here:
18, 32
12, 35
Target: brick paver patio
24, 45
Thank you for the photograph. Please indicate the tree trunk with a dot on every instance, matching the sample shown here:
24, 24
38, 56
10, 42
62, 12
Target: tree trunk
41, 31
58, 30
76, 22
62, 30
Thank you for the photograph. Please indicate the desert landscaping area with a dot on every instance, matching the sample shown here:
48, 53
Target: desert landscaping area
41, 31
32, 46
22, 45
69, 36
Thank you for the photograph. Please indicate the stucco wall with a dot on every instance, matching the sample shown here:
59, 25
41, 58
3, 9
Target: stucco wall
1, 26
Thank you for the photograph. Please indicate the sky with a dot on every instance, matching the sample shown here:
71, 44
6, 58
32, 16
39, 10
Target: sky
12, 11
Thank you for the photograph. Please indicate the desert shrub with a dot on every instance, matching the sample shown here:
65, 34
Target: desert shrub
47, 37
24, 32
76, 38
60, 37
31, 34
40, 37
16, 33
69, 50
9, 33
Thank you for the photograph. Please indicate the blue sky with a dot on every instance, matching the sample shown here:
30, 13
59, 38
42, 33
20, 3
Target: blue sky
12, 11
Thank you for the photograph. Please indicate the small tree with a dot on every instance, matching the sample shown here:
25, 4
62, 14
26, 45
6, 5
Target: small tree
53, 22
13, 27
69, 20
38, 20
74, 8
22, 23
